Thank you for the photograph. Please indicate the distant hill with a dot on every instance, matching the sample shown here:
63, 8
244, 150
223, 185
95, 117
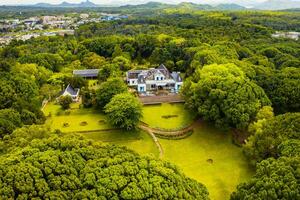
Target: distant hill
149, 5
86, 4
230, 6
278, 5
193, 6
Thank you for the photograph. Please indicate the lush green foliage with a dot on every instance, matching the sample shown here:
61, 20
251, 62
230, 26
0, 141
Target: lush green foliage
108, 90
274, 179
270, 133
223, 94
73, 168
65, 101
124, 111
231, 63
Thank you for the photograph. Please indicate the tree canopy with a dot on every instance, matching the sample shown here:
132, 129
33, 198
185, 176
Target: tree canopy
108, 90
71, 167
224, 95
124, 110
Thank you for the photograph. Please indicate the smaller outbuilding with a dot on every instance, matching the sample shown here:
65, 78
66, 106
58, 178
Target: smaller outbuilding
86, 73
72, 92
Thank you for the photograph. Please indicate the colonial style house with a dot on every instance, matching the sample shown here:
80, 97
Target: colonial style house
72, 92
154, 79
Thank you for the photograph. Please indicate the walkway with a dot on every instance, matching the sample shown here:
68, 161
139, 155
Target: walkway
153, 132
171, 98
157, 143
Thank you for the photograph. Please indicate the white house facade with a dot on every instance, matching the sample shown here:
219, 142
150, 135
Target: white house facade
154, 79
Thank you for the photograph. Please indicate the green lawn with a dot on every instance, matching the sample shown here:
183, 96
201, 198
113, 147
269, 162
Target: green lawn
155, 116
138, 141
229, 167
95, 120
93, 84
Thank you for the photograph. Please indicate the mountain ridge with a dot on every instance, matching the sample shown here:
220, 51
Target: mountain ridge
267, 5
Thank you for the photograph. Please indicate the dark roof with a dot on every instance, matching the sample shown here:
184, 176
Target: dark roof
141, 79
176, 76
143, 75
72, 91
86, 73
134, 74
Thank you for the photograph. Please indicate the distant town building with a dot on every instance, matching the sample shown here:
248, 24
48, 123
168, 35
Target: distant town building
84, 16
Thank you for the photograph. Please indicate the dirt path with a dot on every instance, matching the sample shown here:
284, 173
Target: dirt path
167, 133
157, 143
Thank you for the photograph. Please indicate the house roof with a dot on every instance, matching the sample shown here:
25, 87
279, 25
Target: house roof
86, 73
143, 75
71, 91
134, 74
176, 76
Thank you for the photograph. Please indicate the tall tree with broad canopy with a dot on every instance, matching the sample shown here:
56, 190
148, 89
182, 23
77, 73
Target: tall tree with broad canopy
270, 134
124, 110
224, 95
71, 167
274, 180
108, 90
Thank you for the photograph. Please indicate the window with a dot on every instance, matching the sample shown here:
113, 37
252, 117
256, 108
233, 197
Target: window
157, 78
141, 89
161, 78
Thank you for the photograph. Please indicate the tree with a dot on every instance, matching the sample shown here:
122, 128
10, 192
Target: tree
283, 89
6, 127
117, 51
76, 81
122, 62
87, 97
65, 101
11, 115
270, 134
273, 180
10, 119
109, 89
107, 71
224, 95
93, 61
7, 94
124, 111
50, 61
71, 167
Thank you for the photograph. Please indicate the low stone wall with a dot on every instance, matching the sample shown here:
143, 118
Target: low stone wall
148, 100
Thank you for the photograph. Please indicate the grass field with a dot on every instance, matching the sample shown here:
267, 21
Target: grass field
93, 84
95, 120
226, 167
156, 116
138, 141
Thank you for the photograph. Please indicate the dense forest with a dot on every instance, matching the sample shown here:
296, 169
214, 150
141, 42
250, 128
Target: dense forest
237, 77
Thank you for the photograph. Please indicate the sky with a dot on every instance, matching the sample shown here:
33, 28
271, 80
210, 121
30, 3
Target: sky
109, 2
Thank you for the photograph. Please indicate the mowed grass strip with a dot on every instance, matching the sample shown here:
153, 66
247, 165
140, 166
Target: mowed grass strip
167, 116
75, 119
138, 140
209, 157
